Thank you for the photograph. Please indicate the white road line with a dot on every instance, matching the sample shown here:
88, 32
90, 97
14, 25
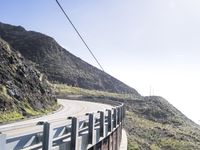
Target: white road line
70, 108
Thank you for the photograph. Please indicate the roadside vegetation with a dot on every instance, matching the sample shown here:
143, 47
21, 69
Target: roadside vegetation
145, 134
28, 112
63, 90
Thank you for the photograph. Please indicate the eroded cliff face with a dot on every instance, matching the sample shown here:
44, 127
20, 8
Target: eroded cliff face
23, 89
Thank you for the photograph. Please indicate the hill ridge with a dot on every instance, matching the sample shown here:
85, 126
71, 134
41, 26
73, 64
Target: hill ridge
59, 64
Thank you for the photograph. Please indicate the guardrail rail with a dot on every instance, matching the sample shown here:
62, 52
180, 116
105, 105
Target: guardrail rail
94, 131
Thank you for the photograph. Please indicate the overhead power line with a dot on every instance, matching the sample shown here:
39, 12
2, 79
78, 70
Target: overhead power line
79, 35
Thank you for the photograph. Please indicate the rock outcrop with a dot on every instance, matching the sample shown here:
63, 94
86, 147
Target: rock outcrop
23, 91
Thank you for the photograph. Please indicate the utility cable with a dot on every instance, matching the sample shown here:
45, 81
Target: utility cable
79, 35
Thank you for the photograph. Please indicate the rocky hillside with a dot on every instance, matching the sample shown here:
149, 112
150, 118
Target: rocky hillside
23, 91
57, 63
154, 124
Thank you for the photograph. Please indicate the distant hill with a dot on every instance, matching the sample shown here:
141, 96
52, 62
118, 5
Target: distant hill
23, 91
154, 124
58, 64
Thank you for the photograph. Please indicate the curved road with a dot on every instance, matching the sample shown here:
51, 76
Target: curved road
70, 108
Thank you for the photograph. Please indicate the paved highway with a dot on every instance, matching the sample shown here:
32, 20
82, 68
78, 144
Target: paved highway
70, 108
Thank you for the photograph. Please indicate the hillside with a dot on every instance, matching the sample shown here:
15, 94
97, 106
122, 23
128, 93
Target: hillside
58, 64
154, 124
22, 90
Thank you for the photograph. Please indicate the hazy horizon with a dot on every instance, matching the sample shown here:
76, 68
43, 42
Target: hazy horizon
147, 44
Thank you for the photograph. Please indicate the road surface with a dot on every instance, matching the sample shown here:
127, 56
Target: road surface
70, 108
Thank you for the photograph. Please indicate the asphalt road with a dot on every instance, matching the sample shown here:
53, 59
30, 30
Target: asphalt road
70, 108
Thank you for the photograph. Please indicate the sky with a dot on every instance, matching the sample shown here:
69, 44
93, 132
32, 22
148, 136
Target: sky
151, 45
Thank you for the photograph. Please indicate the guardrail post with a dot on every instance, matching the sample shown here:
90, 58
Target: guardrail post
102, 124
110, 123
47, 136
91, 128
2, 141
124, 112
118, 115
74, 134
114, 117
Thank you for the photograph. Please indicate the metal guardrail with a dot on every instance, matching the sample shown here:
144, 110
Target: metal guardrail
72, 134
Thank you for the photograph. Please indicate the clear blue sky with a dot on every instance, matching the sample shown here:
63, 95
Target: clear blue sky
144, 43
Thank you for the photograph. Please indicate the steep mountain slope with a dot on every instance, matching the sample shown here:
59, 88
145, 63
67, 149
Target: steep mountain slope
58, 64
154, 124
22, 90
